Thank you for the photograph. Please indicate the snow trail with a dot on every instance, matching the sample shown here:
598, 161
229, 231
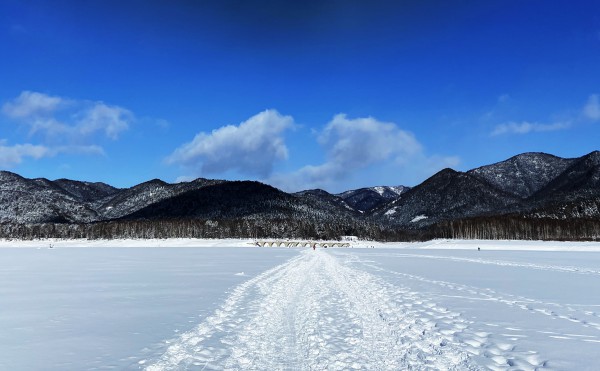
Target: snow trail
557, 310
506, 263
314, 312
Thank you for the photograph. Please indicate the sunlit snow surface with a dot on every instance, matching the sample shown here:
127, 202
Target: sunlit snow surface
79, 308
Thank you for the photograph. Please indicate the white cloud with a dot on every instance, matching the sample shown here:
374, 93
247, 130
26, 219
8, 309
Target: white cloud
112, 120
13, 155
591, 110
71, 119
357, 147
526, 127
251, 148
30, 104
323, 176
64, 126
355, 143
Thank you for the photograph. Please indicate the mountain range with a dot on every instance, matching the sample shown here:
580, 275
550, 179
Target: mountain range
528, 186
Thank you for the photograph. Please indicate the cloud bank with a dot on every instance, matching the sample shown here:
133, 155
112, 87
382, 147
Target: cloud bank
526, 127
63, 125
590, 111
356, 143
32, 104
14, 155
354, 148
351, 145
251, 148
74, 120
111, 120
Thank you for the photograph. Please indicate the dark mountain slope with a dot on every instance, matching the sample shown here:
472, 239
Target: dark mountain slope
446, 195
225, 200
532, 191
524, 174
368, 199
132, 199
581, 180
86, 191
38, 201
241, 199
323, 198
573, 194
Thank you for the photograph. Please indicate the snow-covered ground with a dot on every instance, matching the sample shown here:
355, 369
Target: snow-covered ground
205, 304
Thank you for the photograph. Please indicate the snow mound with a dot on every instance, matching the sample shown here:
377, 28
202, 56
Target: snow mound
418, 218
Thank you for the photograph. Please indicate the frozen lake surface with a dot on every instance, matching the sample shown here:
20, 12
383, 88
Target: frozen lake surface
421, 306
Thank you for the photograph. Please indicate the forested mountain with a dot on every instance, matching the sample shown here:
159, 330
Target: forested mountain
581, 180
524, 174
85, 191
448, 194
130, 200
532, 195
368, 199
39, 200
243, 199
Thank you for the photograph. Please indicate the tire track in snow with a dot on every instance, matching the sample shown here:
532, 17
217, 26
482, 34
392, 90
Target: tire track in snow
315, 313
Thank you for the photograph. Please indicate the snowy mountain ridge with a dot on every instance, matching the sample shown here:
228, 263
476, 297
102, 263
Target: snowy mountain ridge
524, 174
367, 199
535, 185
527, 186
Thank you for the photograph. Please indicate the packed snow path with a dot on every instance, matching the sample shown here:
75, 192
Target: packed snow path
321, 312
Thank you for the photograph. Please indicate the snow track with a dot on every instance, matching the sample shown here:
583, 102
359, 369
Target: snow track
315, 312
505, 263
559, 311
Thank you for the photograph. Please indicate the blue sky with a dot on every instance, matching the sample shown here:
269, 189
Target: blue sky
336, 94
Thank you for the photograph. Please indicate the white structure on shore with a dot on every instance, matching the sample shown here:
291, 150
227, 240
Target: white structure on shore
285, 243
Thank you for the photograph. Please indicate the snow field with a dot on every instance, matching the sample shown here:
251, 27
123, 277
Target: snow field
105, 308
511, 306
315, 313
341, 309
523, 310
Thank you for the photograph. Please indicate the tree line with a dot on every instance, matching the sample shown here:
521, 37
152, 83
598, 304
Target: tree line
515, 227
193, 228
511, 227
